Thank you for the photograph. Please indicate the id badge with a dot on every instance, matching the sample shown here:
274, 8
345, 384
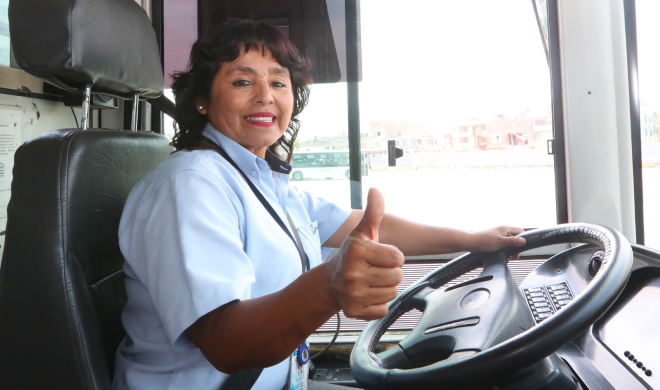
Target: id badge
299, 368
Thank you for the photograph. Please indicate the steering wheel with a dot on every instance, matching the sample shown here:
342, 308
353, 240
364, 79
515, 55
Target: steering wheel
479, 330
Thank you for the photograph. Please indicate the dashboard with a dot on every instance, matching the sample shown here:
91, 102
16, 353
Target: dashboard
622, 349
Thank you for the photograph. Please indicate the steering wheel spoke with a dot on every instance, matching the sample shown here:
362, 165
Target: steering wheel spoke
394, 357
416, 298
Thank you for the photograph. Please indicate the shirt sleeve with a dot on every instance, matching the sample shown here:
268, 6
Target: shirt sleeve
329, 215
192, 257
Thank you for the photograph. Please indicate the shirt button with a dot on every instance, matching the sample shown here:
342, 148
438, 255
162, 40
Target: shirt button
253, 173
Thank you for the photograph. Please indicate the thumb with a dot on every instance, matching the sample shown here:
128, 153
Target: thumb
373, 214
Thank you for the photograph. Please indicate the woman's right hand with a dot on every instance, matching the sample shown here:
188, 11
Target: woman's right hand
364, 275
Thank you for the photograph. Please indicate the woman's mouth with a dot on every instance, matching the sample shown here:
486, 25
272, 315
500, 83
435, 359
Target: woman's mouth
261, 119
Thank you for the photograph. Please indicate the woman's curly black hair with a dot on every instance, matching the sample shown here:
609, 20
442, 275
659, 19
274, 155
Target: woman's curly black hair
225, 43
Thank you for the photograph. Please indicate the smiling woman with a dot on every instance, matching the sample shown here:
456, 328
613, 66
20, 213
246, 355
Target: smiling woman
251, 101
230, 286
261, 76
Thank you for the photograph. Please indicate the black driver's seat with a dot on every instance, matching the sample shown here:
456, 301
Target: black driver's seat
61, 279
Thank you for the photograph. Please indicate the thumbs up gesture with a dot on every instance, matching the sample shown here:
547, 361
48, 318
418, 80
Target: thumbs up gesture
364, 275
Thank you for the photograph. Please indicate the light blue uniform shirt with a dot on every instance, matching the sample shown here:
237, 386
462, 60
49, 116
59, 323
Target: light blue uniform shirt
195, 237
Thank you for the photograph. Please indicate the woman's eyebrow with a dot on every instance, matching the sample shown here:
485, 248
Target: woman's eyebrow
248, 69
278, 70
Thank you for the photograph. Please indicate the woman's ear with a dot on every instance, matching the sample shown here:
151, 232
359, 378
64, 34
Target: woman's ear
201, 106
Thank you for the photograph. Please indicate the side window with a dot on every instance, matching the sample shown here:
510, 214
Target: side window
4, 33
179, 34
648, 31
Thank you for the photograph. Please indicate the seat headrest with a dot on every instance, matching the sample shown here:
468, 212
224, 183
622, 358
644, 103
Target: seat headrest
110, 44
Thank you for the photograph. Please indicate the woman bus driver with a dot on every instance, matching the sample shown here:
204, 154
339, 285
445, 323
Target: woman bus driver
214, 285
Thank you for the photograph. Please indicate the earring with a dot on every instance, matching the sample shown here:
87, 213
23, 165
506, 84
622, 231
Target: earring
201, 107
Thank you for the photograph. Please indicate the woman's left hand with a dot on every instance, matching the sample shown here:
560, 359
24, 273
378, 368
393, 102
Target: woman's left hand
494, 239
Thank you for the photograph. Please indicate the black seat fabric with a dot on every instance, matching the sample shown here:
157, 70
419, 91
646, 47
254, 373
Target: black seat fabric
61, 284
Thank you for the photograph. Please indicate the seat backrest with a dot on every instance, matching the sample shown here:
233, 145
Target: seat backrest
61, 279
61, 284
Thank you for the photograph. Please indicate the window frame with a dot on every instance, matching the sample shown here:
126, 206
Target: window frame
554, 65
630, 21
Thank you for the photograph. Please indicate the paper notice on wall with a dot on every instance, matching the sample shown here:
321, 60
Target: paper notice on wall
11, 124
12, 120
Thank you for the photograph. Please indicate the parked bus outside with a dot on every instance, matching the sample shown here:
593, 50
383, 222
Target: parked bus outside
325, 165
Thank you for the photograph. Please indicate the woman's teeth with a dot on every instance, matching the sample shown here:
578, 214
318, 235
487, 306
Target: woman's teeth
261, 118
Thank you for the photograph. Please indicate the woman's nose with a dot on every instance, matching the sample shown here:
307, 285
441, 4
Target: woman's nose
263, 93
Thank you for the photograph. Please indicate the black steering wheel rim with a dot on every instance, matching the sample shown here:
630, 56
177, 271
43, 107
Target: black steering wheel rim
526, 348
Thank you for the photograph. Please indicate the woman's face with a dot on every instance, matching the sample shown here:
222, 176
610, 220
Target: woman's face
251, 101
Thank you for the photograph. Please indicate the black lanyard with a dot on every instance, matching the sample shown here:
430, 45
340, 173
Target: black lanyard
304, 260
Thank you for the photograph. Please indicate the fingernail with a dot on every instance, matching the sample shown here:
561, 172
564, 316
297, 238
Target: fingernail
521, 240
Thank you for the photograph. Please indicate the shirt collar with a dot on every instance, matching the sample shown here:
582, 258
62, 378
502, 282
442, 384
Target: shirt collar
245, 159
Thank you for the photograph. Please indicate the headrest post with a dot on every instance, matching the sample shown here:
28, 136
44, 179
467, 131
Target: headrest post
87, 94
136, 105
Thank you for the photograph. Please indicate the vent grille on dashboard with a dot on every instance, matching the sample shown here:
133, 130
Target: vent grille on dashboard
414, 271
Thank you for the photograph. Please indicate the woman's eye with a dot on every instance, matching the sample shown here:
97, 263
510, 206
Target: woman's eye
278, 84
241, 83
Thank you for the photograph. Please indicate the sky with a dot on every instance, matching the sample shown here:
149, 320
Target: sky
180, 32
